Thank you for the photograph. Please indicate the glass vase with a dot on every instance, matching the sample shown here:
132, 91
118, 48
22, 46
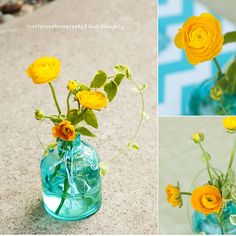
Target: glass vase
212, 224
202, 104
71, 180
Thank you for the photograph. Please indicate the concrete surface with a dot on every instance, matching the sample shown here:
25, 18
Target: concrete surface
130, 189
180, 160
224, 8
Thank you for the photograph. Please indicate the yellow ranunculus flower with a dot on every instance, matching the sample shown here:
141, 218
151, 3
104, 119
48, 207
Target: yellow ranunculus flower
65, 131
44, 70
173, 195
198, 137
201, 38
230, 123
72, 85
206, 199
92, 99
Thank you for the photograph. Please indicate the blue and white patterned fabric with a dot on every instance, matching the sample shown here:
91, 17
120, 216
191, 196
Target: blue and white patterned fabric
176, 77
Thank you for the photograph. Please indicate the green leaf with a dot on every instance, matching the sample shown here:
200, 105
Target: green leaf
83, 87
206, 157
230, 37
103, 168
123, 69
119, 78
55, 119
111, 90
73, 117
226, 191
231, 73
99, 79
84, 131
145, 115
133, 146
52, 145
232, 219
90, 118
231, 176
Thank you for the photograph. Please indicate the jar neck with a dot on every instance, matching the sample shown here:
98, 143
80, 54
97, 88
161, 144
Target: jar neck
67, 145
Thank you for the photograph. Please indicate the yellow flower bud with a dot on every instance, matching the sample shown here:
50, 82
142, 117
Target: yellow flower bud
230, 123
216, 93
198, 137
39, 115
72, 85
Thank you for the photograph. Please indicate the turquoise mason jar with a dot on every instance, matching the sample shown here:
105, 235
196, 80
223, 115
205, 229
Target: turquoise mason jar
210, 224
71, 180
201, 103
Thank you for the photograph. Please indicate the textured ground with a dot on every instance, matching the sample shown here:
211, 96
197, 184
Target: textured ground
129, 191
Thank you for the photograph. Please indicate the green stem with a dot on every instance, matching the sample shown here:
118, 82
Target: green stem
207, 161
63, 198
231, 160
142, 109
124, 149
68, 103
185, 193
222, 107
218, 67
55, 97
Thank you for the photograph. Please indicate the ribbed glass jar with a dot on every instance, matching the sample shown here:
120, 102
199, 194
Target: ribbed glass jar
212, 224
71, 180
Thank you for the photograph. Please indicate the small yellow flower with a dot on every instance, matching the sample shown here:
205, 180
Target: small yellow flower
72, 85
92, 99
230, 123
65, 131
206, 199
201, 38
173, 195
44, 70
198, 137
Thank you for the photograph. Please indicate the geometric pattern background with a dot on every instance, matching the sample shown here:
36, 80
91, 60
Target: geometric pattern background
176, 77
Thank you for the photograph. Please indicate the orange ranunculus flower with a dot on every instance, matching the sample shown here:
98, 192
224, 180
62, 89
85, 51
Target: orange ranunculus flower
44, 70
201, 38
230, 123
65, 131
206, 199
173, 195
92, 99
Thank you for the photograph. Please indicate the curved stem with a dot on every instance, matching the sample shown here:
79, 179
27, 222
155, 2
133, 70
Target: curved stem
222, 107
142, 109
124, 149
55, 97
231, 159
218, 67
207, 161
68, 102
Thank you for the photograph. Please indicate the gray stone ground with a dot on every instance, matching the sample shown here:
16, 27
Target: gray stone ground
130, 189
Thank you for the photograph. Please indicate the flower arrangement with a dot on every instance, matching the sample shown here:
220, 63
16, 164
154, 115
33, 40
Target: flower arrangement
202, 40
71, 168
214, 202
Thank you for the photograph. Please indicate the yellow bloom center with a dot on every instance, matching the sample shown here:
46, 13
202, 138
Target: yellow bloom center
92, 99
44, 70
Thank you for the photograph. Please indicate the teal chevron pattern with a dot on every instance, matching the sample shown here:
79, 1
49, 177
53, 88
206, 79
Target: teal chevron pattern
176, 77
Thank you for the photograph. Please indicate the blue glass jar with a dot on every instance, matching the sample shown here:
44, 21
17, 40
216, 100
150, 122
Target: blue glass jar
202, 104
71, 180
211, 224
